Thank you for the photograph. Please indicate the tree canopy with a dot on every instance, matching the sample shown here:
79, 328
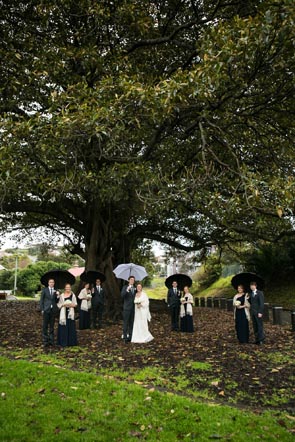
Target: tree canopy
166, 120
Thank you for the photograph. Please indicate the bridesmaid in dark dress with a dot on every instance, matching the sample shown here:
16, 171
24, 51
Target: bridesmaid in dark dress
67, 335
241, 315
85, 306
186, 312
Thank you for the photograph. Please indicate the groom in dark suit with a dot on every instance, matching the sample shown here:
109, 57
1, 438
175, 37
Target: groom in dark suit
97, 304
128, 294
49, 309
173, 301
256, 312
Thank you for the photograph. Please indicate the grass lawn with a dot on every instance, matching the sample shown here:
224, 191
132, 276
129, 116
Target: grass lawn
47, 403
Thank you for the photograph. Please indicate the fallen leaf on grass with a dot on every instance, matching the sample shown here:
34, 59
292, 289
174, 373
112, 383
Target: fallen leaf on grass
292, 418
41, 391
135, 434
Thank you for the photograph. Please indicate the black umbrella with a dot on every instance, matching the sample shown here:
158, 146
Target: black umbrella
61, 278
245, 279
181, 279
91, 276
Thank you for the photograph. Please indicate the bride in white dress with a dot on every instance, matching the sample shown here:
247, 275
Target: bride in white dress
142, 316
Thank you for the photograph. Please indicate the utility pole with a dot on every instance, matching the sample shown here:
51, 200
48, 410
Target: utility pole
15, 275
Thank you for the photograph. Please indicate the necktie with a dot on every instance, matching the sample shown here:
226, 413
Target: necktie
51, 292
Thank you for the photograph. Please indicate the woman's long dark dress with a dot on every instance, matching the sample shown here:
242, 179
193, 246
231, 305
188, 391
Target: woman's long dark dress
66, 334
186, 322
84, 319
242, 323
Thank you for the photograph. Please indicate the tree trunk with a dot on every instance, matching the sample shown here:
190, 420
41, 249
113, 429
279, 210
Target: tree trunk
99, 257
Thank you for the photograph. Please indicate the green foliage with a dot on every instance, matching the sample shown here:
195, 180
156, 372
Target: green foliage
169, 121
209, 272
28, 279
274, 262
6, 279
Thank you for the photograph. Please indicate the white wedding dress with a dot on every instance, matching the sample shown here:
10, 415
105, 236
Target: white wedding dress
140, 333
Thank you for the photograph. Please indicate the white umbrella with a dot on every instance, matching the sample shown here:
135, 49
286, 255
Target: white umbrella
124, 271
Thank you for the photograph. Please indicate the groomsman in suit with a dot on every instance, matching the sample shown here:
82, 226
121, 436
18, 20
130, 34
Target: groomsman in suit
49, 309
173, 301
97, 304
256, 312
128, 293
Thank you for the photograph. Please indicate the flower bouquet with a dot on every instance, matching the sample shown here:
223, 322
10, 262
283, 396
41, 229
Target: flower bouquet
67, 302
182, 299
137, 301
237, 303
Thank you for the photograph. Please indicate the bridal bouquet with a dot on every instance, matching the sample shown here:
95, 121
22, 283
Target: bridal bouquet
137, 301
237, 303
182, 299
67, 302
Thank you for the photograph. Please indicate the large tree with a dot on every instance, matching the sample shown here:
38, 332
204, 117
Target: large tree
170, 120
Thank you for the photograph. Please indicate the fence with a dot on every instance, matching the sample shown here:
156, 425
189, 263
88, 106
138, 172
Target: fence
277, 314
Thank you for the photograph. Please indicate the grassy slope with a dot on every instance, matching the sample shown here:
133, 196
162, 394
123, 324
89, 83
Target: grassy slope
282, 295
221, 287
48, 403
158, 290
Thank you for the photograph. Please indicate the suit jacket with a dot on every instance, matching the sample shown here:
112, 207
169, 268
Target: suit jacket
128, 297
257, 302
98, 298
46, 301
173, 300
